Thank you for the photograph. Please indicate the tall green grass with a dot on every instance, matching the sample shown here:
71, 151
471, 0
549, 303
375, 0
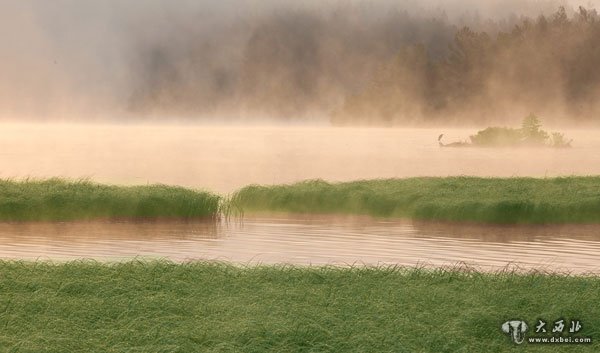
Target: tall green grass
61, 200
488, 200
470, 199
204, 307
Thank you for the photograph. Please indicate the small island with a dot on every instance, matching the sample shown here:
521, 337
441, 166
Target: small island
529, 135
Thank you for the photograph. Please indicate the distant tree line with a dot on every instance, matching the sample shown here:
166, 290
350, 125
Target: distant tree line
548, 66
286, 64
359, 64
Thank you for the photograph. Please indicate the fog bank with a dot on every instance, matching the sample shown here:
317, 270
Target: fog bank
232, 59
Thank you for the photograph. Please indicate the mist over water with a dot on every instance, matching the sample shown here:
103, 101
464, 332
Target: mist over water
233, 59
226, 158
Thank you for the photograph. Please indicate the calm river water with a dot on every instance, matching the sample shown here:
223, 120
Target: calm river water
317, 240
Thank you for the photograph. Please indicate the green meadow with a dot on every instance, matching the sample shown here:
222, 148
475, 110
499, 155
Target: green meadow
456, 199
212, 307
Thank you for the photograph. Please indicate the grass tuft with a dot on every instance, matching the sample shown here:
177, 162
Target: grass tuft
62, 200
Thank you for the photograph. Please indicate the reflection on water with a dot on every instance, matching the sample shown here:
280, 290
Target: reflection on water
318, 240
224, 159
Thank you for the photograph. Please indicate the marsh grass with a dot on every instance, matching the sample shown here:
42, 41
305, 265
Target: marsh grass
461, 199
62, 200
213, 307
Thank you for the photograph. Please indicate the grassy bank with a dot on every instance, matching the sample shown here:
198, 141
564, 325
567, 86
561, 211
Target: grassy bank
162, 307
470, 199
58, 200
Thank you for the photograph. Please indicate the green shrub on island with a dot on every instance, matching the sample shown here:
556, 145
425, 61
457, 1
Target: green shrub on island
530, 134
497, 136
